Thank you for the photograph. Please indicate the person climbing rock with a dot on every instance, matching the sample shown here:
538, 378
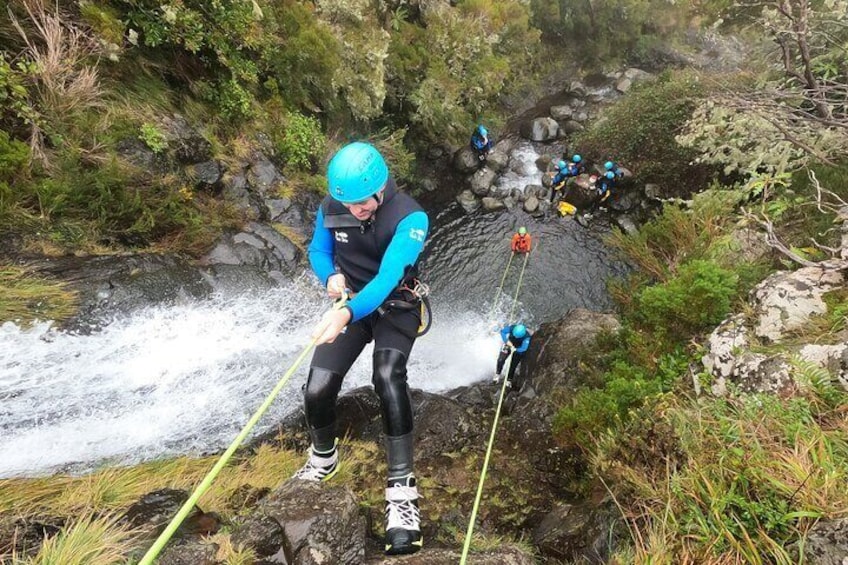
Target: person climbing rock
481, 142
565, 170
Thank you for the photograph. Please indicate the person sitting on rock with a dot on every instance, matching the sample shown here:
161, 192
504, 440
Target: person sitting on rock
611, 166
565, 170
481, 142
521, 241
605, 185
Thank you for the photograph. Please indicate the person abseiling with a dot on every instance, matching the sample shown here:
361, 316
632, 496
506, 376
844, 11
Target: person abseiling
481, 142
565, 170
368, 239
521, 241
516, 340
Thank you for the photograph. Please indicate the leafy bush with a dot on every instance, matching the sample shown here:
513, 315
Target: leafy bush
153, 137
639, 132
698, 296
449, 70
302, 144
625, 387
14, 157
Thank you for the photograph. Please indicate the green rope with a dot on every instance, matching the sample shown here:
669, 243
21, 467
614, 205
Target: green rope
204, 485
518, 288
500, 288
470, 530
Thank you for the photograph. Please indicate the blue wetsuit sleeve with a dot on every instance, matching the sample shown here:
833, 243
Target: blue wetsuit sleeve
403, 252
321, 250
505, 333
525, 343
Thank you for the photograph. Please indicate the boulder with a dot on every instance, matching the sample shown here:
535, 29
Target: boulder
531, 204
572, 126
497, 160
465, 160
561, 113
623, 85
468, 201
481, 181
492, 204
540, 129
826, 543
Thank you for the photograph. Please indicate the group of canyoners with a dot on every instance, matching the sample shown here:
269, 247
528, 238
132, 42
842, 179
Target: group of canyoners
602, 183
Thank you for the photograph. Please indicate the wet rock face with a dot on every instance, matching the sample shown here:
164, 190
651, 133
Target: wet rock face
317, 524
826, 544
24, 537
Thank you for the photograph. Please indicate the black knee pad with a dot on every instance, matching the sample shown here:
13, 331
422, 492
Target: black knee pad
389, 381
319, 397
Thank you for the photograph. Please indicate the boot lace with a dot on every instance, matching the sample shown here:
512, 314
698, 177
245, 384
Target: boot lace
317, 468
401, 509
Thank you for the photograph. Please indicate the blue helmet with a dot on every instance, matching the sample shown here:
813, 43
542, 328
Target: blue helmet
356, 172
609, 165
561, 165
482, 130
577, 158
610, 175
519, 330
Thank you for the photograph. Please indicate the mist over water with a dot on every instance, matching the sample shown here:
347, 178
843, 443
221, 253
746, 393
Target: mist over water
185, 378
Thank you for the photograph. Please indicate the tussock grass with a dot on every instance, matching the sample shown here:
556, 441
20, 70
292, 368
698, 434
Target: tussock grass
676, 235
66, 83
88, 540
25, 297
740, 480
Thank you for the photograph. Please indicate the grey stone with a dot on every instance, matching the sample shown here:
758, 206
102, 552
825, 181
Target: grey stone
540, 129
572, 126
277, 207
468, 201
492, 204
465, 160
481, 181
623, 85
207, 174
560, 113
531, 204
497, 160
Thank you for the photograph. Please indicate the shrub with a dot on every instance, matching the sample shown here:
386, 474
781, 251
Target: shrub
698, 296
153, 137
302, 143
639, 132
14, 156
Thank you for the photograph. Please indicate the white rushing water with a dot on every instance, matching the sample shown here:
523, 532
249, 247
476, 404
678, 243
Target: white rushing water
186, 378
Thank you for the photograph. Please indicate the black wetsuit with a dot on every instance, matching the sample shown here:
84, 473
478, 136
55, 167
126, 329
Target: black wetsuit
358, 253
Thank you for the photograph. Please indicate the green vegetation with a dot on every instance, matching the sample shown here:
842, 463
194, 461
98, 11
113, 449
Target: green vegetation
640, 131
742, 477
25, 297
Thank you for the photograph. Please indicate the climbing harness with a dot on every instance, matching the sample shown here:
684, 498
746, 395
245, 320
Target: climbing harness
469, 532
419, 299
204, 485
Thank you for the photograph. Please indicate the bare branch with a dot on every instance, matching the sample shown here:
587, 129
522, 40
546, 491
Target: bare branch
773, 241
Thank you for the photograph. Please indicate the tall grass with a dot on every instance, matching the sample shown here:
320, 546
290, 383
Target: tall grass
64, 80
740, 479
88, 540
25, 297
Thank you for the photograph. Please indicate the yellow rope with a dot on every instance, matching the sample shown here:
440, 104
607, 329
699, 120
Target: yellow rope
500, 287
204, 485
518, 288
470, 530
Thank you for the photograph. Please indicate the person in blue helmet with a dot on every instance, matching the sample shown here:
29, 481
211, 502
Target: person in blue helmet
605, 185
481, 142
611, 166
367, 242
516, 340
564, 169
